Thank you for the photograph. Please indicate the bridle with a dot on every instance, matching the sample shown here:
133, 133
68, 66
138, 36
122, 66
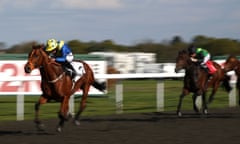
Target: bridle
35, 64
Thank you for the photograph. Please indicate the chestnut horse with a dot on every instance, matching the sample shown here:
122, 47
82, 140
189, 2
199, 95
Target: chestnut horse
197, 80
57, 85
233, 64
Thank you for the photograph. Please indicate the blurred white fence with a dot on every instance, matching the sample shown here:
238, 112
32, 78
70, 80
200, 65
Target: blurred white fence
119, 89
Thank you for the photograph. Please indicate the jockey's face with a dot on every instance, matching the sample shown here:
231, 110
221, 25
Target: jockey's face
193, 55
54, 51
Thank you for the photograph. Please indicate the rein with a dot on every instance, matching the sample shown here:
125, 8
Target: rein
236, 67
58, 78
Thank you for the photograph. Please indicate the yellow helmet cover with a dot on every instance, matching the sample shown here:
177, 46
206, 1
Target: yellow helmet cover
51, 45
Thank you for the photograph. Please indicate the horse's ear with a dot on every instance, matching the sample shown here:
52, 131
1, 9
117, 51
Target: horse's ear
42, 45
34, 46
181, 51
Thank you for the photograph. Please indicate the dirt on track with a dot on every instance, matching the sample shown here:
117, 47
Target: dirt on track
221, 126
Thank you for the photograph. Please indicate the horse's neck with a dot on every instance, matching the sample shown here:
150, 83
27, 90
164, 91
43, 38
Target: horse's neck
51, 70
192, 69
237, 68
191, 65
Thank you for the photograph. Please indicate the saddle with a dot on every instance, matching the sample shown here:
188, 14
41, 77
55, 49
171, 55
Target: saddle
75, 70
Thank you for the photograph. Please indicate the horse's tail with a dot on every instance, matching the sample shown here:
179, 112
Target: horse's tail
226, 83
99, 86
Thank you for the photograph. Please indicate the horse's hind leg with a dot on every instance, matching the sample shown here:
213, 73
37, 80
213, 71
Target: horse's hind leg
214, 90
37, 121
238, 88
83, 102
204, 103
194, 98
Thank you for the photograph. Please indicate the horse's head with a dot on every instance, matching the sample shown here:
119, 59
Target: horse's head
182, 60
231, 63
35, 58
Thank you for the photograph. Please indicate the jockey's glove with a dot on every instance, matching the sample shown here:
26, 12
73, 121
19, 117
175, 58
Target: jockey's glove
194, 59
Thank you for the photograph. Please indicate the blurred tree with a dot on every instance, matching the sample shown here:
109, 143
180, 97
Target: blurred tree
166, 51
201, 40
223, 47
24, 47
2, 46
176, 40
78, 47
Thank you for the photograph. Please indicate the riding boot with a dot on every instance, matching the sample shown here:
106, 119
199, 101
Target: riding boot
73, 76
72, 71
204, 66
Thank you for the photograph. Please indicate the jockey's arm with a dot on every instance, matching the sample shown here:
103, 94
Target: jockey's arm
65, 53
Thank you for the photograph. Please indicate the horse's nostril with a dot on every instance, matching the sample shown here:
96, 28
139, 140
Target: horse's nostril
27, 69
176, 70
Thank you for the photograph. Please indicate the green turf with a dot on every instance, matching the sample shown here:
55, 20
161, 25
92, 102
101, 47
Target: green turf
138, 96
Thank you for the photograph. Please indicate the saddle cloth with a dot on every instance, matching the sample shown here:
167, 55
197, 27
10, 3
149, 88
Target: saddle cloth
78, 67
211, 67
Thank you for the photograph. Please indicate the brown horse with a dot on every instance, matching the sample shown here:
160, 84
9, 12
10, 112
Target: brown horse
57, 85
197, 81
233, 64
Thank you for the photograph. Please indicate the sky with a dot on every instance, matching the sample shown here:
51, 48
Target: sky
126, 22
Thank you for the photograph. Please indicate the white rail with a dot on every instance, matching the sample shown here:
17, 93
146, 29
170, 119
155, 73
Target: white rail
119, 89
104, 76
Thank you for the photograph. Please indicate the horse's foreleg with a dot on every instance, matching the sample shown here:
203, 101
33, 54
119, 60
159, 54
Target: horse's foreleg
184, 93
82, 103
37, 121
204, 103
63, 113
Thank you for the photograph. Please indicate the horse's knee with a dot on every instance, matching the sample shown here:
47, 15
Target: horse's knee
62, 116
83, 105
37, 104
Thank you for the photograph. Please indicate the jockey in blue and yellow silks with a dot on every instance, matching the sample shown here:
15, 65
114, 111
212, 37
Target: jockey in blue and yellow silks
61, 53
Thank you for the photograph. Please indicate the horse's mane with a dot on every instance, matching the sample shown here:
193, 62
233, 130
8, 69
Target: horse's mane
232, 56
183, 51
38, 46
41, 47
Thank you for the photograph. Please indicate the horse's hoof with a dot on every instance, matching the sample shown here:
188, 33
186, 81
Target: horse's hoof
198, 103
179, 114
205, 111
59, 129
77, 122
40, 126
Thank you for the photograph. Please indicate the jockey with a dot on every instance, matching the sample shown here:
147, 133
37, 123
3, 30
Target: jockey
202, 56
61, 53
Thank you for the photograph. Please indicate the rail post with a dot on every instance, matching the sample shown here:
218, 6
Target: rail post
71, 105
20, 103
119, 97
232, 95
160, 96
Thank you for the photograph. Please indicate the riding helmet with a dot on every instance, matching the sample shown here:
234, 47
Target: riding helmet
51, 45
